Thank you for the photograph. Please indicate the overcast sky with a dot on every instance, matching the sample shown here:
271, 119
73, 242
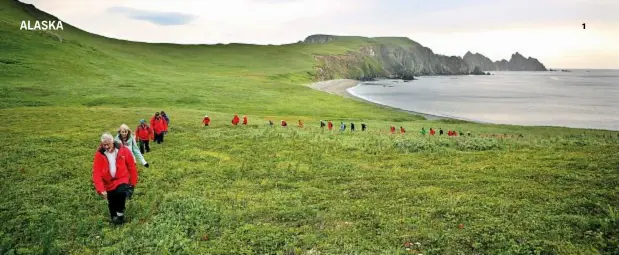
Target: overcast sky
549, 30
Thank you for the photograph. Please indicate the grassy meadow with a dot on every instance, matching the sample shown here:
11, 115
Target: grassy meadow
261, 190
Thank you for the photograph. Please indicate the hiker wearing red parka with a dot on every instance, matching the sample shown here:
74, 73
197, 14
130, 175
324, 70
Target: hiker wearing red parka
114, 175
284, 123
245, 120
393, 129
330, 125
402, 130
144, 135
206, 121
432, 132
235, 120
158, 124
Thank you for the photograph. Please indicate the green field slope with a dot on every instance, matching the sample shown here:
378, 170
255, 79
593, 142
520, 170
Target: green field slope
262, 190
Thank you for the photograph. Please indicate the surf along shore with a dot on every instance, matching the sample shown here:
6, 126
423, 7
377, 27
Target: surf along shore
340, 87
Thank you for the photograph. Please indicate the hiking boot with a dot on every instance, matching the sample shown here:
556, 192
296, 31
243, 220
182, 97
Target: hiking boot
118, 220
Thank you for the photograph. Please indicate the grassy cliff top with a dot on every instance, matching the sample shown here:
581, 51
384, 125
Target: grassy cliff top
257, 190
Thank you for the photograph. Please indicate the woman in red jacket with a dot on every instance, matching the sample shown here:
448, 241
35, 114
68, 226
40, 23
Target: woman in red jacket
244, 120
114, 175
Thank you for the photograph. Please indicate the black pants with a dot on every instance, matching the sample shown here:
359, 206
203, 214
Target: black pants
159, 138
116, 200
144, 145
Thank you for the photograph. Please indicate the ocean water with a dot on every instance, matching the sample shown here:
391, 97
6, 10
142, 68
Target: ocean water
579, 99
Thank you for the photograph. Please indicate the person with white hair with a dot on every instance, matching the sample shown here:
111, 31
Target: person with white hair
125, 137
114, 175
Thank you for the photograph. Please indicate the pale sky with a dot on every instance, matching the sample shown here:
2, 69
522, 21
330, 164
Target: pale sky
549, 30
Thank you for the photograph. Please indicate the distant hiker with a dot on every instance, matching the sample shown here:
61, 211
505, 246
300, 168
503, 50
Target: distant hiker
330, 125
432, 132
468, 133
127, 139
342, 127
158, 125
402, 131
245, 120
165, 117
300, 124
363, 126
206, 121
167, 121
322, 124
114, 175
423, 131
461, 134
284, 123
440, 131
235, 120
271, 123
144, 135
352, 127
393, 129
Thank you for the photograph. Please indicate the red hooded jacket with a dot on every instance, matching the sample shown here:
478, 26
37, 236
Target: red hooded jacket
206, 121
144, 133
126, 171
158, 125
235, 120
244, 120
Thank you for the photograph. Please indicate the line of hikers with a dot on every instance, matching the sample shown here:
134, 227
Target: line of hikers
329, 125
114, 171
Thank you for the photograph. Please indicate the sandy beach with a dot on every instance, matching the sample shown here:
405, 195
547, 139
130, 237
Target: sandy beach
339, 87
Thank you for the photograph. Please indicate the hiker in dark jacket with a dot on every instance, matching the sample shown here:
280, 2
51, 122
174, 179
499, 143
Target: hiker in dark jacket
352, 127
363, 126
440, 131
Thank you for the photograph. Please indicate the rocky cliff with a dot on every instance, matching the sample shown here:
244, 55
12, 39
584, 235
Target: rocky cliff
516, 63
484, 63
397, 57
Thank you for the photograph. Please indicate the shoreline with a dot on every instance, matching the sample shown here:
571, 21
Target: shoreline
341, 87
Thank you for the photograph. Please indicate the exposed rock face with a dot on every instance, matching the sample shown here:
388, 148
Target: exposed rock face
403, 58
381, 58
502, 65
516, 63
479, 60
519, 63
318, 39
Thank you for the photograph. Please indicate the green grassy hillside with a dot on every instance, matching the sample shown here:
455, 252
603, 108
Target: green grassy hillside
261, 190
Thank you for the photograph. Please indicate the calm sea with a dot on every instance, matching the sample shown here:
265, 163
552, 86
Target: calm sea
580, 98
